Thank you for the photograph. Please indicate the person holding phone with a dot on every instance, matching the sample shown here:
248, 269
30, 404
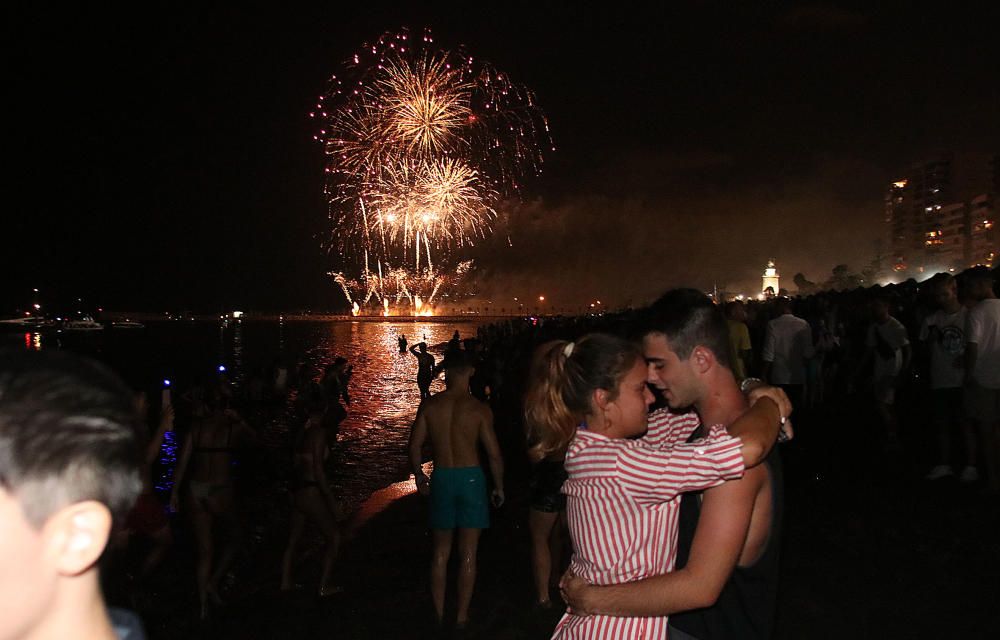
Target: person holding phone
456, 424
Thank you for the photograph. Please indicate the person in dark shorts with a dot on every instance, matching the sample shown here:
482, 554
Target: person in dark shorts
547, 524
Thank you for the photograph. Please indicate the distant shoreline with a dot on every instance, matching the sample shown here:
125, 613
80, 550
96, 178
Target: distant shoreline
138, 316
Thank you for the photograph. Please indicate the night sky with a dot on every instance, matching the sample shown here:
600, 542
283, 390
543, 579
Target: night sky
163, 157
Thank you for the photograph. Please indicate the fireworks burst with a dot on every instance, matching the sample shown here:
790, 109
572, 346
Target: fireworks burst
422, 145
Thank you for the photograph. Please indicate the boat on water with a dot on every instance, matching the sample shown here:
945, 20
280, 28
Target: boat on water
86, 323
29, 323
127, 324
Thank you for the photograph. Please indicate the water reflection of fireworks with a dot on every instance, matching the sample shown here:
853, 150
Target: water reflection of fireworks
422, 145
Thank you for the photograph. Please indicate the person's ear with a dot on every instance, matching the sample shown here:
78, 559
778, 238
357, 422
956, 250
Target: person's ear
76, 536
702, 358
600, 398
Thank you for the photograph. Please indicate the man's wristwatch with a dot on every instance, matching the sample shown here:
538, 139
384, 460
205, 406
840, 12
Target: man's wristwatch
749, 384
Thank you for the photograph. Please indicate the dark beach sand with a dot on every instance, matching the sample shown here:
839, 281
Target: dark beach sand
871, 550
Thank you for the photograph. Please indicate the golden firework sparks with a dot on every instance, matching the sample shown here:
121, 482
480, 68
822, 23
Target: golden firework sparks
422, 144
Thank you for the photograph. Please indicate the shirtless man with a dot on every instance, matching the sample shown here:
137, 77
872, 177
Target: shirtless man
456, 423
425, 372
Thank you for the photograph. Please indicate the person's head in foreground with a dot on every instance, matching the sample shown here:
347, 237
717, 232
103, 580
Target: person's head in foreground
685, 343
944, 290
599, 381
69, 466
457, 371
980, 284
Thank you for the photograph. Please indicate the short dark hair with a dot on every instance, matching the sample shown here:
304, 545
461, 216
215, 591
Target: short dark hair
941, 281
69, 432
688, 318
783, 304
979, 276
458, 363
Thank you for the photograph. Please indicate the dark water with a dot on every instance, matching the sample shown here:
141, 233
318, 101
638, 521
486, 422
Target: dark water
371, 450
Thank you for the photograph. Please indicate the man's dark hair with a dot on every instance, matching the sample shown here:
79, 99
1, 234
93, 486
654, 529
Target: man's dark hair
941, 281
458, 362
783, 304
68, 433
689, 318
979, 276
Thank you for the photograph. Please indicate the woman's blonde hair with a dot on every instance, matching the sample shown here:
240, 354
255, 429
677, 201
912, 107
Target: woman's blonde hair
563, 378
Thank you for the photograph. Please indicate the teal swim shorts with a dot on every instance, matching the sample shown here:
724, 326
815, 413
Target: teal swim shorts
458, 499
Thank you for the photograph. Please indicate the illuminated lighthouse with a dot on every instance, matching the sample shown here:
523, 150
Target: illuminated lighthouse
770, 279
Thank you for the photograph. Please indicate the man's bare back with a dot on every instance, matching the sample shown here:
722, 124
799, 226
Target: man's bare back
456, 423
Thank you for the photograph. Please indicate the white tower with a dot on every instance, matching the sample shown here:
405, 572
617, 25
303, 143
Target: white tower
770, 278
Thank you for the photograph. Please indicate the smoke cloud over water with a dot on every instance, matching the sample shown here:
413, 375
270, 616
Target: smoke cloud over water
697, 221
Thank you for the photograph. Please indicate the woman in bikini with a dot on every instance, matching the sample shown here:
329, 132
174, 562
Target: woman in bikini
311, 497
208, 455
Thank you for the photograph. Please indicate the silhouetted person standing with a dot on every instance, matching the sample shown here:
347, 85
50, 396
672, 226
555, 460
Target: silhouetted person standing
982, 371
787, 346
425, 372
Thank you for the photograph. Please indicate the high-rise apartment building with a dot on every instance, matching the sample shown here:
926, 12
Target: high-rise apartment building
941, 214
984, 235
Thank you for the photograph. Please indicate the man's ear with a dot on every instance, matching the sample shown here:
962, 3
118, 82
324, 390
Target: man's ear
702, 358
76, 536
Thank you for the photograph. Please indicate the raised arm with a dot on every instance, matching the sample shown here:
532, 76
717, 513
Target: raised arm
181, 471
166, 423
489, 439
722, 530
244, 432
417, 437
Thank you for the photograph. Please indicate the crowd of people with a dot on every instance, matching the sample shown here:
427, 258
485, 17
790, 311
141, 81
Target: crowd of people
674, 514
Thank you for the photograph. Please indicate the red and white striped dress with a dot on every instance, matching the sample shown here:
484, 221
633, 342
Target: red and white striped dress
622, 505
